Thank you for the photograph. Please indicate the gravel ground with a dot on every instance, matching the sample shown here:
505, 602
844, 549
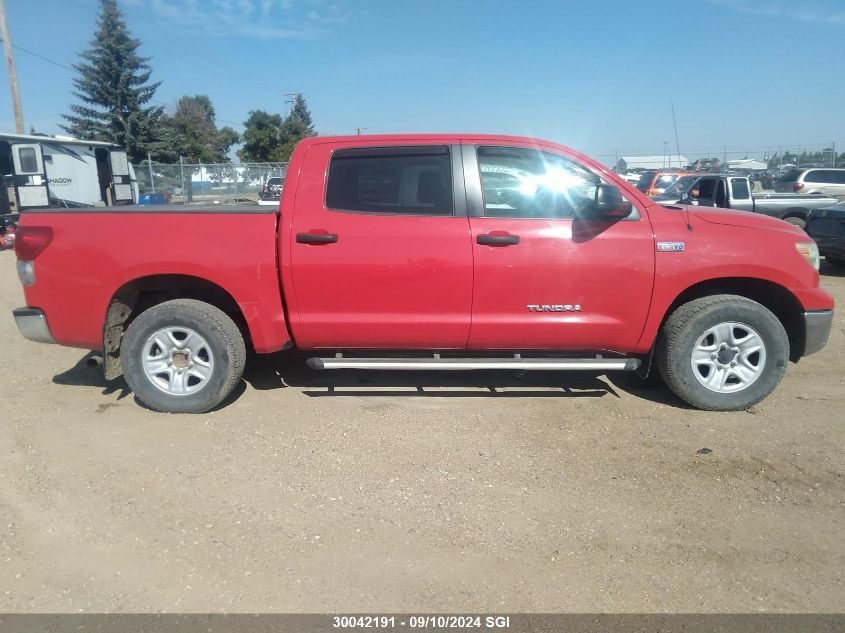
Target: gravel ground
350, 491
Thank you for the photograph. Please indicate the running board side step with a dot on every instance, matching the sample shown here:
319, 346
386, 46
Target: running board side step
462, 364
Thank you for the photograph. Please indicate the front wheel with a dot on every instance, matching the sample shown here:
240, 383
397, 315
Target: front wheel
722, 353
182, 356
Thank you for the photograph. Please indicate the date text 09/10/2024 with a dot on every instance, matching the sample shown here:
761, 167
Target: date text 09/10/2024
421, 622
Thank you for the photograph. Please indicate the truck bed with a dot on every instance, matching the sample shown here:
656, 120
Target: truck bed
164, 208
94, 252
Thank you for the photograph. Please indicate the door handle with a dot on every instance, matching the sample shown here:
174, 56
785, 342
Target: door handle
492, 239
316, 238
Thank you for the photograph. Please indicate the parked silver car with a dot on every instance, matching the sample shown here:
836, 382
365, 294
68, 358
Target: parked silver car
828, 181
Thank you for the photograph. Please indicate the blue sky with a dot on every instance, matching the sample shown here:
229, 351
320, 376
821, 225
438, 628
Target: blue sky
597, 75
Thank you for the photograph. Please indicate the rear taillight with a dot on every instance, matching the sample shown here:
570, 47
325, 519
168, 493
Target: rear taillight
31, 240
798, 186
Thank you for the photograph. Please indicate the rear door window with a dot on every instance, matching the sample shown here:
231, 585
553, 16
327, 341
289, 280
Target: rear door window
739, 186
838, 177
817, 175
392, 180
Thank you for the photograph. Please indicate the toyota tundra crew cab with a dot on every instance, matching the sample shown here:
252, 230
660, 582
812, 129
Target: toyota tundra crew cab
436, 252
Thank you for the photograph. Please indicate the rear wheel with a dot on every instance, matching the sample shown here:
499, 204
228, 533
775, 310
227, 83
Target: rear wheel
182, 356
722, 353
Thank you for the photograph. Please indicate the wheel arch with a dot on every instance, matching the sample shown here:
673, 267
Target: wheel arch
139, 294
773, 296
796, 212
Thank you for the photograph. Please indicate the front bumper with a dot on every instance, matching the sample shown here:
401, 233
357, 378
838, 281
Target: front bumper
32, 324
817, 324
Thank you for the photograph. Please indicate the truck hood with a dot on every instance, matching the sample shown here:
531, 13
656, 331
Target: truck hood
729, 217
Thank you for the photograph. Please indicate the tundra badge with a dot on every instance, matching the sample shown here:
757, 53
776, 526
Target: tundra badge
557, 307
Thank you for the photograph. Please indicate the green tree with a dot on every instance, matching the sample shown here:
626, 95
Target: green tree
193, 134
261, 137
114, 86
296, 126
300, 113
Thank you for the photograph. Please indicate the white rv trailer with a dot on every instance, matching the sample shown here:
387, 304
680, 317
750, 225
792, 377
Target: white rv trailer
61, 171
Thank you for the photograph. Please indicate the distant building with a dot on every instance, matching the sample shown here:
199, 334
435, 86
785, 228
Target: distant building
747, 163
661, 161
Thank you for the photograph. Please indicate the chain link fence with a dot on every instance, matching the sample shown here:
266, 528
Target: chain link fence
242, 182
185, 183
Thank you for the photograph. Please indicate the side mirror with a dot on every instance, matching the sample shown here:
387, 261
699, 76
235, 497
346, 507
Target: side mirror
608, 204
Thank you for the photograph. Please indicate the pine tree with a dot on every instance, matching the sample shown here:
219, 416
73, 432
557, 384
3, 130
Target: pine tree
113, 86
296, 126
302, 115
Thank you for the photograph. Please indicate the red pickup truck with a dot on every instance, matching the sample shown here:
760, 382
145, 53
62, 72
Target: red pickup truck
444, 252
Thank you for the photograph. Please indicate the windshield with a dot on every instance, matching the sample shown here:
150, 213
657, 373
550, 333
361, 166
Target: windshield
275, 181
680, 186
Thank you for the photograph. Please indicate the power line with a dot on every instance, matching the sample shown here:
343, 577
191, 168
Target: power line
41, 57
66, 67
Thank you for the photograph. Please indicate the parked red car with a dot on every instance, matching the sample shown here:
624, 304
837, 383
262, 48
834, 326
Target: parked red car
436, 252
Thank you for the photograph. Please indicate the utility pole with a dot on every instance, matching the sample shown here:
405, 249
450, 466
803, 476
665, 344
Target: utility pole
292, 96
675, 124
834, 153
10, 64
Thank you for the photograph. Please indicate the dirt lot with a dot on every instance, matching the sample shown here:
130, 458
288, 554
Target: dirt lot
364, 492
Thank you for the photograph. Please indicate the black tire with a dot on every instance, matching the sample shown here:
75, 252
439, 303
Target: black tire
686, 325
224, 342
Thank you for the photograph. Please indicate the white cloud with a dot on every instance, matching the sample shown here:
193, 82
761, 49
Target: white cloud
811, 12
262, 19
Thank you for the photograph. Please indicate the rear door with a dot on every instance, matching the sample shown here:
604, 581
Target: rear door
30, 178
121, 178
380, 251
740, 197
545, 279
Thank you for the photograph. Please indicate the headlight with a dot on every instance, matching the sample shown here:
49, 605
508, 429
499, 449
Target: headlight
810, 252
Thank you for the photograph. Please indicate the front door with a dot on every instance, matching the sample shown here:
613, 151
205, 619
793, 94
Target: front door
30, 176
121, 180
380, 251
545, 279
705, 190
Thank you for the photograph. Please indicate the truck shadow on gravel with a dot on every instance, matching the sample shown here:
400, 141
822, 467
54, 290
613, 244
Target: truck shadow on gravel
288, 370
81, 375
